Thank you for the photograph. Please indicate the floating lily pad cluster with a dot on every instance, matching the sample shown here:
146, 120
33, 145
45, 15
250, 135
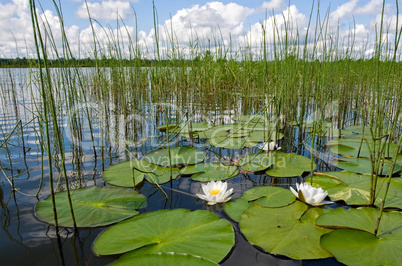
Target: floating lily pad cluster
269, 217
210, 171
154, 167
247, 131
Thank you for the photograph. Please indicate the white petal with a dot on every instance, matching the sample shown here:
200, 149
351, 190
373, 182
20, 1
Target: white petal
227, 199
211, 202
319, 197
205, 189
227, 193
203, 197
224, 187
294, 192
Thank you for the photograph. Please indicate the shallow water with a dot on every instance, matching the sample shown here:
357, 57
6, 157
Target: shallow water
24, 240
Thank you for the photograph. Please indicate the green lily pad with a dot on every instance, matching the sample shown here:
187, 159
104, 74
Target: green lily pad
289, 164
195, 127
269, 196
235, 208
193, 169
122, 174
289, 231
238, 130
361, 246
354, 189
262, 196
355, 132
363, 166
94, 206
231, 143
257, 162
264, 136
353, 247
211, 171
164, 259
157, 174
217, 131
252, 119
351, 146
179, 156
364, 218
198, 233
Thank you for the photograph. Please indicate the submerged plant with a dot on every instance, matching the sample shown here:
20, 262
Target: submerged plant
310, 195
215, 192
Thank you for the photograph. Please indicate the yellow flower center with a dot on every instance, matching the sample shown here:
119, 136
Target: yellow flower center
214, 191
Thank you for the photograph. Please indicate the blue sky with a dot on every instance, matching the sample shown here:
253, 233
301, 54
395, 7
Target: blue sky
238, 19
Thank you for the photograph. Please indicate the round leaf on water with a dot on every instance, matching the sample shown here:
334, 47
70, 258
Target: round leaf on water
361, 246
231, 143
152, 173
264, 136
262, 196
351, 147
164, 259
179, 156
235, 208
94, 206
289, 164
193, 169
252, 119
354, 189
215, 172
122, 174
198, 233
160, 175
348, 186
363, 165
289, 231
364, 218
217, 131
195, 127
238, 130
353, 247
269, 196
256, 162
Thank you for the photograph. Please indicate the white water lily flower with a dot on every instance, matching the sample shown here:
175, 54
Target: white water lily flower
270, 146
215, 192
310, 195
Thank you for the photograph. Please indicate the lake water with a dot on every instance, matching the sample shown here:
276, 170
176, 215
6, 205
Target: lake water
24, 240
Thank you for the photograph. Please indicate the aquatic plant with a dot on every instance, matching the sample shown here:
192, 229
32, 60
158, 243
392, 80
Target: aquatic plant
215, 192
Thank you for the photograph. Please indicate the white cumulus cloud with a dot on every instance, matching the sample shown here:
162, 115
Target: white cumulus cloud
352, 8
214, 18
105, 10
290, 22
269, 6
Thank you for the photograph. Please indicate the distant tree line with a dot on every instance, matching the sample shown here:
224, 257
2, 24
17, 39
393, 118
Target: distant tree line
89, 62
113, 62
